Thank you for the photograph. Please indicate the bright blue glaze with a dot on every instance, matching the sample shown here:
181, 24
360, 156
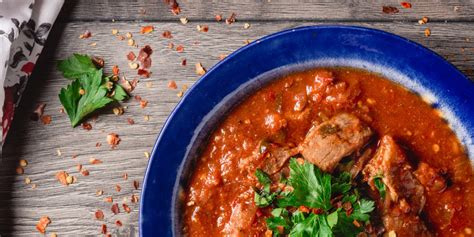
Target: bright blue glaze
397, 58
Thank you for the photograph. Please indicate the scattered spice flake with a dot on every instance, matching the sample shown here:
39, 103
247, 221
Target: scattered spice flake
133, 65
126, 208
61, 176
230, 19
167, 34
103, 229
427, 32
180, 94
43, 222
86, 126
99, 215
134, 198
143, 73
93, 44
115, 31
137, 97
146, 118
174, 6
202, 28
180, 48
143, 103
85, 172
125, 176
38, 113
46, 119
405, 4
99, 192
27, 180
19, 170
222, 56
79, 167
183, 62
246, 25
218, 18
200, 70
128, 35
53, 235
120, 37
98, 61
172, 85
390, 9
87, 34
23, 163
70, 179
98, 144
108, 199
423, 20
58, 152
130, 121
147, 154
118, 223
131, 42
170, 45
131, 56
115, 70
146, 29
94, 161
117, 111
115, 208
61, 110
183, 20
118, 188
33, 186
456, 8
113, 139
136, 184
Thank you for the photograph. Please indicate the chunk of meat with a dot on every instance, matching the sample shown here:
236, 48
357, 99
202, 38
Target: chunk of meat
276, 159
405, 198
242, 216
360, 162
430, 178
326, 144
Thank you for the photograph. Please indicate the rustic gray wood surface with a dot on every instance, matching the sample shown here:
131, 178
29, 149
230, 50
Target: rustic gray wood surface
72, 208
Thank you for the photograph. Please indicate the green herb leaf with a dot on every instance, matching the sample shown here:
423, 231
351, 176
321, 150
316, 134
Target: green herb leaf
380, 186
262, 177
312, 188
361, 210
313, 225
341, 184
76, 66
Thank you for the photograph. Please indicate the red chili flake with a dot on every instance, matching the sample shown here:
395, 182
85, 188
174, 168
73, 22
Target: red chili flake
134, 198
174, 6
138, 98
143, 73
118, 223
43, 222
131, 56
79, 167
115, 70
61, 110
108, 199
86, 126
167, 34
94, 161
389, 10
405, 4
203, 28
136, 184
180, 48
146, 63
98, 61
108, 235
103, 229
126, 208
176, 10
118, 188
85, 172
38, 113
113, 139
230, 19
218, 18
145, 52
98, 144
130, 121
125, 176
61, 176
115, 209
146, 29
99, 215
172, 85
143, 103
183, 62
170, 45
46, 119
85, 35
126, 84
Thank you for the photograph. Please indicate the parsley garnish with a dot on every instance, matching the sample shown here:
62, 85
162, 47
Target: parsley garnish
314, 190
89, 91
380, 186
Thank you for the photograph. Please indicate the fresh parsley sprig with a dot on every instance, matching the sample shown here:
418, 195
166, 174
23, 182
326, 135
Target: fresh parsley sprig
89, 90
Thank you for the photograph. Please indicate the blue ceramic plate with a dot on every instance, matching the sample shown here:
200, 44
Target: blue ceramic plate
246, 70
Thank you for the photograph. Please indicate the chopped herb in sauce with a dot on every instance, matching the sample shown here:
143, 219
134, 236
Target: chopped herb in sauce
380, 186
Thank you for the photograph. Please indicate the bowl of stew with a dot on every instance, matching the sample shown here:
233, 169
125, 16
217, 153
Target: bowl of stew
317, 131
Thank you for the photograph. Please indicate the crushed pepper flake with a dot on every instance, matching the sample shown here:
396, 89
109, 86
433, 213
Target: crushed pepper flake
108, 199
27, 180
166, 34
58, 152
131, 42
113, 139
46, 119
115, 70
222, 56
125, 176
99, 192
143, 103
147, 29
103, 229
120, 37
134, 198
200, 70
218, 17
202, 28
94, 161
115, 208
246, 25
115, 31
136, 184
133, 65
61, 176
180, 94
427, 32
146, 118
143, 73
230, 19
118, 223
85, 172
98, 144
183, 62
70, 179
423, 20
405, 4
130, 121
131, 56
180, 48
43, 223
389, 10
118, 110
38, 112
172, 85
19, 170
126, 208
87, 34
99, 215
184, 20
79, 167
128, 35
53, 235
147, 154
86, 126
23, 163
118, 188
170, 45
33, 186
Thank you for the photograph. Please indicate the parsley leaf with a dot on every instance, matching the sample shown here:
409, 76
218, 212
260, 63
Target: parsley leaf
262, 177
380, 186
264, 197
312, 187
313, 225
76, 66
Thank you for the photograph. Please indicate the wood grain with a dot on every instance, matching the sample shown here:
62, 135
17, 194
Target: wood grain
72, 208
269, 10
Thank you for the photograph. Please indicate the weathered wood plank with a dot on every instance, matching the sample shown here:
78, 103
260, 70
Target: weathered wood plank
276, 10
71, 208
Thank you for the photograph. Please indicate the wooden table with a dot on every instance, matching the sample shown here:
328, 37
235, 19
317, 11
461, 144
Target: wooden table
71, 208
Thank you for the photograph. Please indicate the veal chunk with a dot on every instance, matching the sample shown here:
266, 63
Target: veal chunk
326, 144
404, 198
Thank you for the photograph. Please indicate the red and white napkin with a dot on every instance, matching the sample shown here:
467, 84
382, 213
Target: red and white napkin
24, 27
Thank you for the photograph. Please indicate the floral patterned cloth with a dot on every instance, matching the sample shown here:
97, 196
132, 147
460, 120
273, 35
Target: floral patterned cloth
24, 27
